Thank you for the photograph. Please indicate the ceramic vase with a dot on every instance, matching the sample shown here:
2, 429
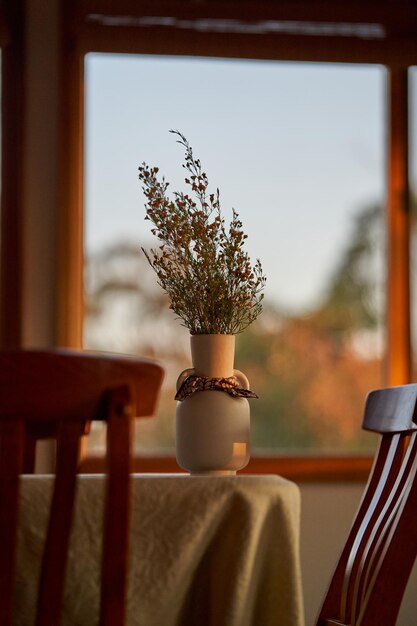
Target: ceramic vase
213, 427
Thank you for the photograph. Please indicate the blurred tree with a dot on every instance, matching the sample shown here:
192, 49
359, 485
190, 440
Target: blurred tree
354, 297
311, 371
317, 368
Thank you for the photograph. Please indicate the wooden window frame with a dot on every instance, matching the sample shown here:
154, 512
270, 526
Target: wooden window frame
131, 27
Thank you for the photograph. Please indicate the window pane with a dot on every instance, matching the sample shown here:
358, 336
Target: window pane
298, 151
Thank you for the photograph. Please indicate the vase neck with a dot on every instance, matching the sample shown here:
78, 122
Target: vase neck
213, 355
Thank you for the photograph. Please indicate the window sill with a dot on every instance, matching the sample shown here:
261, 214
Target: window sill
301, 469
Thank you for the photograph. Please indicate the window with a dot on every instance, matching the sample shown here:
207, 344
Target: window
298, 150
248, 31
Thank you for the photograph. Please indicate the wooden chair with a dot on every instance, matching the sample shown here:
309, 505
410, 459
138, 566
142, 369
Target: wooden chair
375, 564
58, 394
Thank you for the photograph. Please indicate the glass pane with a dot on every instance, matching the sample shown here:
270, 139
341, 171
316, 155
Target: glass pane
298, 150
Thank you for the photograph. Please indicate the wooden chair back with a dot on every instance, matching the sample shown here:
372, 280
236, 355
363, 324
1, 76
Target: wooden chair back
371, 576
57, 394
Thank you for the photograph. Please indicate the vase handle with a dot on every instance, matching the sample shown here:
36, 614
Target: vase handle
241, 378
184, 374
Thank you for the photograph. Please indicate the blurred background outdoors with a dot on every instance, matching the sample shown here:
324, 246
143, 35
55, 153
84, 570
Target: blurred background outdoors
299, 151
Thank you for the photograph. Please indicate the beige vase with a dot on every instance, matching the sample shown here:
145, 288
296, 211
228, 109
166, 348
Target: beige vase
212, 427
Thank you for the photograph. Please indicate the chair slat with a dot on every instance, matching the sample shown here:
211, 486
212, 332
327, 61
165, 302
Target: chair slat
382, 530
385, 479
120, 404
51, 585
335, 602
394, 555
11, 461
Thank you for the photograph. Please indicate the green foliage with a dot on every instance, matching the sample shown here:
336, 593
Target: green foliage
354, 299
201, 264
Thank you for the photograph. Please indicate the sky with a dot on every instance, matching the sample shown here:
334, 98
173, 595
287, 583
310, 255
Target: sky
297, 149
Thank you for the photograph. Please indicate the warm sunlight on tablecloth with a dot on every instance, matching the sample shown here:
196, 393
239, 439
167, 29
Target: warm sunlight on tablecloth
205, 551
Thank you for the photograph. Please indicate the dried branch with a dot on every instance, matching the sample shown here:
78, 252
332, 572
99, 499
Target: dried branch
201, 264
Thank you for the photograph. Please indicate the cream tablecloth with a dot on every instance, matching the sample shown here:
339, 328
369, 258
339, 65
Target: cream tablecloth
205, 551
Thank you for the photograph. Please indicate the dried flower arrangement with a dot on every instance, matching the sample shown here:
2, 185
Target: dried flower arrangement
201, 264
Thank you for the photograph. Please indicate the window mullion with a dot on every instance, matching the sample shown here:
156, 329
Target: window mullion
69, 291
398, 216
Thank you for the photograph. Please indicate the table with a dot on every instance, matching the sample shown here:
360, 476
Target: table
205, 551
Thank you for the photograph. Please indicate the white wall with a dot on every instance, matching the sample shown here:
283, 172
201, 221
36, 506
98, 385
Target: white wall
40, 184
40, 159
327, 512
